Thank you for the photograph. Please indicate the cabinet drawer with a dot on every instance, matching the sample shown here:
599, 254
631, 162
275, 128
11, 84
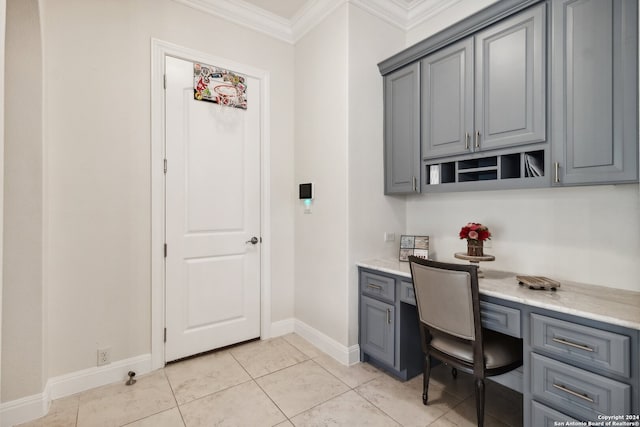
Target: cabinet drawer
407, 293
543, 416
592, 347
501, 319
381, 287
577, 391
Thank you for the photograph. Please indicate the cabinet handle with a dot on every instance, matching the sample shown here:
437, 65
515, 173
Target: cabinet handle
466, 140
415, 184
571, 344
388, 316
557, 167
573, 393
477, 139
376, 287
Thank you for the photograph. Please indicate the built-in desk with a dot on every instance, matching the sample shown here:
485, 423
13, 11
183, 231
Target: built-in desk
580, 343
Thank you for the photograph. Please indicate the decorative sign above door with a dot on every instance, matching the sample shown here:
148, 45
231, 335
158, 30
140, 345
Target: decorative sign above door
218, 85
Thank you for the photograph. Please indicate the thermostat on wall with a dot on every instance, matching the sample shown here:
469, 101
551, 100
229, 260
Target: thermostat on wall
306, 191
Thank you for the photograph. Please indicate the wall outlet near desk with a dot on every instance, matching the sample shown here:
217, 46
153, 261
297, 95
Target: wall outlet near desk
104, 356
389, 237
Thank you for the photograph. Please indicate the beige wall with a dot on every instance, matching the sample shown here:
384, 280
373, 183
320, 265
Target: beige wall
339, 137
96, 80
23, 332
321, 157
584, 234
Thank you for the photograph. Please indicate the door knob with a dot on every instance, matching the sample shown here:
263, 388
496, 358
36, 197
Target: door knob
253, 241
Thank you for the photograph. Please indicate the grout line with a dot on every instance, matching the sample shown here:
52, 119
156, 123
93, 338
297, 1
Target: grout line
273, 401
260, 387
321, 403
175, 399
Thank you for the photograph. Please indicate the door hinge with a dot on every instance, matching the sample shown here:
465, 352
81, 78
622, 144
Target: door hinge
165, 334
164, 81
165, 250
165, 165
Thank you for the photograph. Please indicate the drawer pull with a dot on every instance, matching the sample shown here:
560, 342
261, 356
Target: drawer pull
573, 393
376, 287
571, 344
388, 316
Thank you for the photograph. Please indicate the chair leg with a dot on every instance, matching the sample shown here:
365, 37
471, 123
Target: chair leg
425, 379
454, 373
480, 401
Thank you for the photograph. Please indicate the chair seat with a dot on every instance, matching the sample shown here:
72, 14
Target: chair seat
499, 349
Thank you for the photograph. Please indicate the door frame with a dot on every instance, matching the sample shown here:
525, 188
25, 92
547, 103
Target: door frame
159, 51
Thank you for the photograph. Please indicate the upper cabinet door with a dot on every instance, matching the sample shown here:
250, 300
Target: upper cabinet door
510, 81
402, 130
594, 91
447, 100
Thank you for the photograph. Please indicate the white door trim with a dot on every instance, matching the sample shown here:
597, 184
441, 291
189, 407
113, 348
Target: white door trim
159, 50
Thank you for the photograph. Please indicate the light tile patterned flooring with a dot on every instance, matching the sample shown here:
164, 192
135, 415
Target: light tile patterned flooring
283, 381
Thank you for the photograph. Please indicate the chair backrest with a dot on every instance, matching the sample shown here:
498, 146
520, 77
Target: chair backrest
447, 296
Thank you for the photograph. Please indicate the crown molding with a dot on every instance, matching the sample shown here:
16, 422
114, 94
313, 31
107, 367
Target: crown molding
402, 14
245, 14
311, 15
390, 12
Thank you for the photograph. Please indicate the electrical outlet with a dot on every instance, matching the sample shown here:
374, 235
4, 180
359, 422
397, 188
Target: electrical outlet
389, 237
104, 356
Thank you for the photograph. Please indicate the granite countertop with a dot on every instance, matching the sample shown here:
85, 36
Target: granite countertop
610, 305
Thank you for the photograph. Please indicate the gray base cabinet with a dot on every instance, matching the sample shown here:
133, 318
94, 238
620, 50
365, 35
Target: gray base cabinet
595, 91
574, 369
389, 335
377, 335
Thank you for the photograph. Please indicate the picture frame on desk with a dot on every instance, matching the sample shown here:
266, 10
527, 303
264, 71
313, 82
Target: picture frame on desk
413, 245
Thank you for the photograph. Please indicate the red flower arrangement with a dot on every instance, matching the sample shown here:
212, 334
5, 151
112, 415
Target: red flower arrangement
475, 231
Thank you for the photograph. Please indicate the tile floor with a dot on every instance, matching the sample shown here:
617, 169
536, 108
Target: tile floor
283, 381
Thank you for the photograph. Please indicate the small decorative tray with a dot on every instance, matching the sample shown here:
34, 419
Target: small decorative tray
538, 282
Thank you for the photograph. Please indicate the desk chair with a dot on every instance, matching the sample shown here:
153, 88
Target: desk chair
450, 328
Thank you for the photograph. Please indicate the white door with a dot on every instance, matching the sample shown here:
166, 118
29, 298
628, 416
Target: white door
212, 213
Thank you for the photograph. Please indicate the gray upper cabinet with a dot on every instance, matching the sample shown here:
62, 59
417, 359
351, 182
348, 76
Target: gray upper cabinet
402, 130
594, 91
447, 100
510, 81
487, 91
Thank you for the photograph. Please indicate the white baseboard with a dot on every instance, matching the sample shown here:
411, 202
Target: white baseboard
282, 327
343, 354
25, 409
32, 407
75, 382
